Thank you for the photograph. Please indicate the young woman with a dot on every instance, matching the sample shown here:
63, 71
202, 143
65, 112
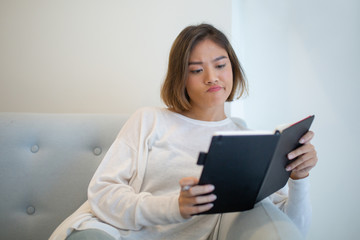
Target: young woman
146, 186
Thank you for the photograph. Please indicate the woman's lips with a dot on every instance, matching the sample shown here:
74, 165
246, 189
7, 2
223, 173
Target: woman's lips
214, 89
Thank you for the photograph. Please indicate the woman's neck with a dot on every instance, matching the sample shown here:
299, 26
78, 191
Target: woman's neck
205, 115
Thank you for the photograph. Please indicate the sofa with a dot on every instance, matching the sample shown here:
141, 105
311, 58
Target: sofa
47, 161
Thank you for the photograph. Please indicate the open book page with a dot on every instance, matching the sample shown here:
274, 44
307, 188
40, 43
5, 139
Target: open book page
280, 128
245, 132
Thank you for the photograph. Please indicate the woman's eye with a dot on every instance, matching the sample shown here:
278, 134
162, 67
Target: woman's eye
196, 71
221, 66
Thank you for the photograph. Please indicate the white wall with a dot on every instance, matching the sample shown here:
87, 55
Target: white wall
301, 58
91, 55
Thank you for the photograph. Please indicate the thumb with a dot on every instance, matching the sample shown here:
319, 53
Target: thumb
188, 181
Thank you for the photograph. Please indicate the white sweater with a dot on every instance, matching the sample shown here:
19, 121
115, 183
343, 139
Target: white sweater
134, 192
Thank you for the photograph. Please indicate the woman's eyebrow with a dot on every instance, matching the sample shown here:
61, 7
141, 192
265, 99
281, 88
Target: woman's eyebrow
195, 63
215, 60
219, 58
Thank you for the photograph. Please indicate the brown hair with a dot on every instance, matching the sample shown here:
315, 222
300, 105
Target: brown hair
173, 91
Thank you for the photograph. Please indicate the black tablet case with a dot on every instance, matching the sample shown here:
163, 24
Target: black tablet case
245, 169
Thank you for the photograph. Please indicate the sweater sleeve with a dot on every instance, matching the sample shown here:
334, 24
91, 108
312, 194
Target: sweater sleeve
294, 201
113, 192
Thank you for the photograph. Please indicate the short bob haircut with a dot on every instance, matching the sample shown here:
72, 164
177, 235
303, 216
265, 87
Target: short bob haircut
173, 92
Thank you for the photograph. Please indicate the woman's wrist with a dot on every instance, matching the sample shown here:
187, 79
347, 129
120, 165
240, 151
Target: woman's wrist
299, 176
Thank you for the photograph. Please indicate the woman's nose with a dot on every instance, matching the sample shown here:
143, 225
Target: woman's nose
211, 77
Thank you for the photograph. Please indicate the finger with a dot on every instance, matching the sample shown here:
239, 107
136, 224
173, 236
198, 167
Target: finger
304, 167
204, 199
189, 211
300, 151
301, 173
310, 163
198, 200
201, 189
185, 188
201, 208
307, 137
193, 205
197, 196
308, 159
187, 182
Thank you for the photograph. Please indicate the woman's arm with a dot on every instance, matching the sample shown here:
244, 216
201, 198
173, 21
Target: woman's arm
294, 199
114, 191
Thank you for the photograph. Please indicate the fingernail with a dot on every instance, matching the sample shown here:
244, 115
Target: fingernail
288, 168
290, 156
211, 187
302, 141
213, 197
185, 188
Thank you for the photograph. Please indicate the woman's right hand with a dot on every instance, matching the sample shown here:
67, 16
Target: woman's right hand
194, 198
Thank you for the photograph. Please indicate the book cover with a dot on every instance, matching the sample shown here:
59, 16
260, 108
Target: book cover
246, 167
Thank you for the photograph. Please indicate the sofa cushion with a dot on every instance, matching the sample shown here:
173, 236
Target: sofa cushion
47, 161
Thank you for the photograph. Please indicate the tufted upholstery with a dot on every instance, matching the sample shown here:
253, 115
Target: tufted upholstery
47, 161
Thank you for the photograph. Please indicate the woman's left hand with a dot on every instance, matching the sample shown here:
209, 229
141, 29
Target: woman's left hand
305, 158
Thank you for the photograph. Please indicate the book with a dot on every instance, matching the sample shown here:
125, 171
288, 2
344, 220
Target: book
246, 166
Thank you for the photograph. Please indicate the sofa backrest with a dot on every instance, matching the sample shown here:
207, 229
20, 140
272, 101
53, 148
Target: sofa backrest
46, 163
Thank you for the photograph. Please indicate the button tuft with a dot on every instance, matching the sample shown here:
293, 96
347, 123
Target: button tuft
30, 210
34, 149
97, 151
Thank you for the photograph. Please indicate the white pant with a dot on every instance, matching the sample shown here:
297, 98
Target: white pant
265, 221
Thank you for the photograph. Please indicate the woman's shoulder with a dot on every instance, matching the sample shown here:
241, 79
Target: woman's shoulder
239, 122
144, 120
149, 112
150, 115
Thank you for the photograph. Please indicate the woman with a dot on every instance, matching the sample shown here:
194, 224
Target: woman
135, 192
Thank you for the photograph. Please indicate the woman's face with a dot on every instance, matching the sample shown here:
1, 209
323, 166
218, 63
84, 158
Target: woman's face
210, 79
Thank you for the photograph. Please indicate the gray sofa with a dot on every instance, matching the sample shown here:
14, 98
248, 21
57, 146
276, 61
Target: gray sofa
47, 161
